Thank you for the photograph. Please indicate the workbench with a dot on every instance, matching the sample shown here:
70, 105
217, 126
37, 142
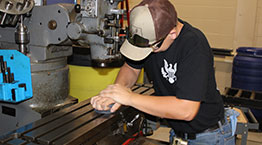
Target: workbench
80, 124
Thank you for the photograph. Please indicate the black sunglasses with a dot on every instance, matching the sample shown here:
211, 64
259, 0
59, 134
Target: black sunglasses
139, 41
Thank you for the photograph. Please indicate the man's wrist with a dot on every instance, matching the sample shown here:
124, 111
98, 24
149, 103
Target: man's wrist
133, 99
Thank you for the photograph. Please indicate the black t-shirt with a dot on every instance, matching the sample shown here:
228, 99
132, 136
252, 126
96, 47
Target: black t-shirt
185, 70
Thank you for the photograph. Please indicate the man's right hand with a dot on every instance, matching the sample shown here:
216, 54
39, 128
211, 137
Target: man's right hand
102, 103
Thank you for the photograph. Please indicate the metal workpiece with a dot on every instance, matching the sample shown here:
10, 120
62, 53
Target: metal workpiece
80, 124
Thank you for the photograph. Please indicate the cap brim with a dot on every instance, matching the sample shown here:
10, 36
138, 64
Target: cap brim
134, 53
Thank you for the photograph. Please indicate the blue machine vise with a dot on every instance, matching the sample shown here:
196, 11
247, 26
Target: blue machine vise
15, 76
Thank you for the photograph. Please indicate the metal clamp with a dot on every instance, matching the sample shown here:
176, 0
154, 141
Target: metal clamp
179, 141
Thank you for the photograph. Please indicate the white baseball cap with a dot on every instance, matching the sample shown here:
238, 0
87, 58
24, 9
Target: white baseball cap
150, 22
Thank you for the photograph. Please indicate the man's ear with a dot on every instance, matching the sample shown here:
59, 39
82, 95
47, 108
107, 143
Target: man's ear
172, 34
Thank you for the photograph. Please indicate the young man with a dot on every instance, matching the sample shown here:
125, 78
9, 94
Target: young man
179, 61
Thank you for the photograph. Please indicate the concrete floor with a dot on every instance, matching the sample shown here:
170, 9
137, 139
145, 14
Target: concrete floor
254, 138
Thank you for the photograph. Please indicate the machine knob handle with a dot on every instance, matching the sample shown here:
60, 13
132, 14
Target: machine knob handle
109, 40
110, 16
77, 8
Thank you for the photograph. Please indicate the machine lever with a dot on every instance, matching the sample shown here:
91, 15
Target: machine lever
131, 123
77, 8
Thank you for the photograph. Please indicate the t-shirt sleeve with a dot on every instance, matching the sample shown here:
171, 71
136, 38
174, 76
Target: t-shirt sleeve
135, 64
193, 74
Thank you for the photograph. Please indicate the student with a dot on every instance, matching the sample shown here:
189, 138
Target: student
179, 61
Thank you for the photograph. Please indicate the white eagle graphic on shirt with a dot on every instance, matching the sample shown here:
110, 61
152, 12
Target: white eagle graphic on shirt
169, 71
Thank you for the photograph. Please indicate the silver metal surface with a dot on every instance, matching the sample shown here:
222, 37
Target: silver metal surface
16, 7
22, 36
22, 115
10, 10
50, 84
90, 8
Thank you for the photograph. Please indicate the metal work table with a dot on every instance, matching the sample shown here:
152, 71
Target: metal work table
79, 124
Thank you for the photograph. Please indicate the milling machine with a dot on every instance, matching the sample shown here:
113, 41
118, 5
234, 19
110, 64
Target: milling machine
47, 35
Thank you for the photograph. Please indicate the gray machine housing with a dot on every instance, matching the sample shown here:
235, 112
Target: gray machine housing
52, 32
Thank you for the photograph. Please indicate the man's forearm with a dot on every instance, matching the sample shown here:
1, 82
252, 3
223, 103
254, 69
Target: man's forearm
166, 106
127, 76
